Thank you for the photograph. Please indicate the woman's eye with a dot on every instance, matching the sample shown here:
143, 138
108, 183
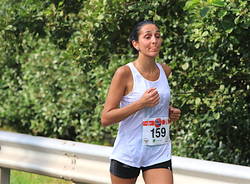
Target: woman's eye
149, 36
158, 36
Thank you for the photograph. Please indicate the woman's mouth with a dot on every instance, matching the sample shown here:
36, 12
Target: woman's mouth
154, 50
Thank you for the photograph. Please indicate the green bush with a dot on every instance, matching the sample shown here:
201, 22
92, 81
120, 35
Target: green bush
57, 59
215, 95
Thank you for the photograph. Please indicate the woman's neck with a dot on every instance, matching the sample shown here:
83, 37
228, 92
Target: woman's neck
145, 64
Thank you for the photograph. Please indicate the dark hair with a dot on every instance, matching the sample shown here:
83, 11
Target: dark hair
134, 33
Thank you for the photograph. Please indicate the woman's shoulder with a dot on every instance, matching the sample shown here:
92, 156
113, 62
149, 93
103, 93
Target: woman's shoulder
167, 69
123, 78
123, 71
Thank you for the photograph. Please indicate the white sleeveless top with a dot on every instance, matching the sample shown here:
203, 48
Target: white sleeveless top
128, 147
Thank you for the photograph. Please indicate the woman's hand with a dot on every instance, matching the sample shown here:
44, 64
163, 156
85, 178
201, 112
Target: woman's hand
150, 98
174, 113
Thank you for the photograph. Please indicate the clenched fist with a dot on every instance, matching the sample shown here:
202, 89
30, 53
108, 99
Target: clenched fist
174, 113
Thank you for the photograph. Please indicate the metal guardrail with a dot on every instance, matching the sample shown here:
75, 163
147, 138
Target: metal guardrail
87, 163
53, 157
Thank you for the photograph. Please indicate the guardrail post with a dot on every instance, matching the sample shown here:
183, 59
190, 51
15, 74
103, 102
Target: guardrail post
4, 175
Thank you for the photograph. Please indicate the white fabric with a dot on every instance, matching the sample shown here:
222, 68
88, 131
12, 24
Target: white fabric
128, 147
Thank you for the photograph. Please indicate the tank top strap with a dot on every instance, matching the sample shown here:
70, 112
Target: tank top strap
133, 69
162, 72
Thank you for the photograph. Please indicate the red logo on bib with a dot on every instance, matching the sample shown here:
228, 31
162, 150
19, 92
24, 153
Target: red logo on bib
157, 122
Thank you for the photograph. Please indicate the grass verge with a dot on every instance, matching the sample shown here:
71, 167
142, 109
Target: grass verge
19, 177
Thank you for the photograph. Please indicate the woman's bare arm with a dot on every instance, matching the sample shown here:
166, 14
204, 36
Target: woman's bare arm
112, 113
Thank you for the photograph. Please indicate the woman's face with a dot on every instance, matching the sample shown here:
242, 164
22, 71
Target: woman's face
149, 40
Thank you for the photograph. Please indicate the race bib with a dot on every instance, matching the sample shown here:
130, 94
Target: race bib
155, 131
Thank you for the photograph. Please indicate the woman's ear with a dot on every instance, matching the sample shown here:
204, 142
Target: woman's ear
135, 45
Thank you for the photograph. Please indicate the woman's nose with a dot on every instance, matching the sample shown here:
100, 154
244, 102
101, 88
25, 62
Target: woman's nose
154, 39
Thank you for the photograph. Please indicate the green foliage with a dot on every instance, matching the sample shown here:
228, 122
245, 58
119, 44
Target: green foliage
215, 95
57, 59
